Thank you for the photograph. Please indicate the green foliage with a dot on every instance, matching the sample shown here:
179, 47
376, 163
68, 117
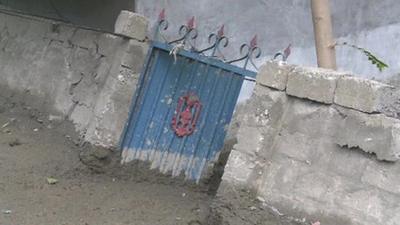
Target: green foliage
372, 58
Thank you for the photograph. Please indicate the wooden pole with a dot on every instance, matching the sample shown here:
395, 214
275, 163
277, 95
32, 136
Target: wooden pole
324, 42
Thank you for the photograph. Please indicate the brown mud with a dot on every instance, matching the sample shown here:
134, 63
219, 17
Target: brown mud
91, 187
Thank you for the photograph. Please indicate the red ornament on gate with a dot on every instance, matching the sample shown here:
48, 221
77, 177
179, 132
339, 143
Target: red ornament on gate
186, 114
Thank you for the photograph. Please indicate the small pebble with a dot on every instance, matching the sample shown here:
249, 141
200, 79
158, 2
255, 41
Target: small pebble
253, 208
15, 142
7, 131
52, 181
260, 199
6, 211
5, 125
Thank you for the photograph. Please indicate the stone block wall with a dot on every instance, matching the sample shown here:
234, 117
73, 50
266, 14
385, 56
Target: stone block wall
313, 145
83, 75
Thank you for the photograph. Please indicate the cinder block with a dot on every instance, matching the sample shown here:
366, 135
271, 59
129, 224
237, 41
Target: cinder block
313, 84
134, 55
280, 175
239, 168
274, 75
17, 26
3, 18
372, 133
383, 175
295, 146
85, 38
61, 32
38, 30
108, 44
361, 94
250, 140
132, 25
314, 184
368, 201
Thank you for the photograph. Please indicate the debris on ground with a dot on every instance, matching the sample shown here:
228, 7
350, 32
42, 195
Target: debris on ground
55, 118
52, 181
11, 120
6, 211
15, 142
7, 131
127, 189
194, 222
253, 208
5, 125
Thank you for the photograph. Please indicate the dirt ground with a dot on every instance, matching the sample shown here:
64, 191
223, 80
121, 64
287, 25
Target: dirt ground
33, 149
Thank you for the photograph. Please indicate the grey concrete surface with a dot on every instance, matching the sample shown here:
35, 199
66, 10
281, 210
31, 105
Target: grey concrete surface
100, 14
131, 25
309, 83
274, 75
303, 161
361, 94
375, 134
374, 25
86, 76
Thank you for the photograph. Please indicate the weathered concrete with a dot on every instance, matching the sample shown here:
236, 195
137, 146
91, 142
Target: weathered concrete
312, 84
274, 75
131, 25
90, 13
375, 27
299, 161
86, 76
376, 134
366, 23
364, 95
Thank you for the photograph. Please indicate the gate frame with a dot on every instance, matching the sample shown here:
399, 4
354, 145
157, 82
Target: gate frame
213, 61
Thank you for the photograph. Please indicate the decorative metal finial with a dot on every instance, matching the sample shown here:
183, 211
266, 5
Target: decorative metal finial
188, 33
221, 31
161, 16
253, 42
191, 23
162, 26
285, 54
249, 52
217, 40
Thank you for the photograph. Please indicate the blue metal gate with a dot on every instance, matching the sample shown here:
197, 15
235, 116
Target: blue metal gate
181, 111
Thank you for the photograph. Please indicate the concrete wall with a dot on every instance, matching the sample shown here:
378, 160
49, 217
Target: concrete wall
374, 25
100, 14
86, 76
314, 145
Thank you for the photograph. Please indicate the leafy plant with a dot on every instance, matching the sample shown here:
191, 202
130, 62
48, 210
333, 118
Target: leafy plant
371, 57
